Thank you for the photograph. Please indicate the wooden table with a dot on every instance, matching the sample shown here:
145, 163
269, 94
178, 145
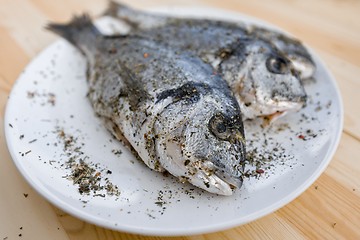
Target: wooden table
329, 209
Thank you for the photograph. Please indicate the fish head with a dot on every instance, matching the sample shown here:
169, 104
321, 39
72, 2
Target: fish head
267, 84
218, 144
291, 47
204, 144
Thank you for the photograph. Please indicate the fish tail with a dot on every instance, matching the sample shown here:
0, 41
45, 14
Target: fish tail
79, 31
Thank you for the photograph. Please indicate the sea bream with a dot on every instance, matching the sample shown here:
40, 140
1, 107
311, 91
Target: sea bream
203, 28
175, 112
263, 79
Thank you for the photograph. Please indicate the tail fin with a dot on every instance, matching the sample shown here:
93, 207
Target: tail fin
80, 30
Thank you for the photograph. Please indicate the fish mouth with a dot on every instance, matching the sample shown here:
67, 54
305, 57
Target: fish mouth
212, 175
232, 174
273, 110
219, 173
269, 119
281, 110
198, 172
274, 107
234, 182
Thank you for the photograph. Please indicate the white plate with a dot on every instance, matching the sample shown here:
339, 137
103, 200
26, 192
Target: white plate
51, 95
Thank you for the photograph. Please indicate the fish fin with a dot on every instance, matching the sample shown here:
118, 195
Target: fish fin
136, 94
124, 13
113, 8
80, 28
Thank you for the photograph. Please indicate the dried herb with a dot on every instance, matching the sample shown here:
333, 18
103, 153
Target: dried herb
45, 98
32, 141
86, 176
116, 152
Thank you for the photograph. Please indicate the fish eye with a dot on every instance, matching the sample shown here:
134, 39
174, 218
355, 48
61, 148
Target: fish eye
218, 128
277, 65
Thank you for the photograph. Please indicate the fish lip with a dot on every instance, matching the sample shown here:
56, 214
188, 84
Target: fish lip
207, 168
233, 178
284, 106
287, 105
281, 108
233, 182
270, 118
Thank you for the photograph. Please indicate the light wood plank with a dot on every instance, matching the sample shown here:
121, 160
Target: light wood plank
13, 59
25, 25
345, 167
347, 76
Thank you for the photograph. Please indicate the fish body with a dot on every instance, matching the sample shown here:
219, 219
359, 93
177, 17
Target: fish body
261, 77
169, 106
289, 46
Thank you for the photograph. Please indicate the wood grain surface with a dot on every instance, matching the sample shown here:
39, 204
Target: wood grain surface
329, 209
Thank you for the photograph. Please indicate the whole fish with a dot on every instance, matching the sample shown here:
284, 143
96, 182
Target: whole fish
290, 47
169, 106
262, 78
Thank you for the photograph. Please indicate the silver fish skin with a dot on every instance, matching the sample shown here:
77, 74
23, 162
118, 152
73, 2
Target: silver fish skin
169, 106
289, 46
263, 80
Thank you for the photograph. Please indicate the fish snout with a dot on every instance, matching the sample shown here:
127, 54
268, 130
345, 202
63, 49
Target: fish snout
305, 67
